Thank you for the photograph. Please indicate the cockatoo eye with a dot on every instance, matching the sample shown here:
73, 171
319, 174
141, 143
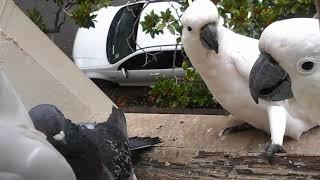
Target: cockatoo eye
189, 28
307, 65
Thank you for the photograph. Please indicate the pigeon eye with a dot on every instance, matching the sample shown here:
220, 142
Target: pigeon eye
189, 28
307, 65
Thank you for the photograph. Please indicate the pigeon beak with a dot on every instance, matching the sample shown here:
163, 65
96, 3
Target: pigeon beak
268, 80
60, 137
209, 37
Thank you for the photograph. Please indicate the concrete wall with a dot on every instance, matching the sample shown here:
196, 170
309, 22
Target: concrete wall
41, 73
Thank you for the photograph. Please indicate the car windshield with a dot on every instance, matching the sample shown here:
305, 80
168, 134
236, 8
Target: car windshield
123, 32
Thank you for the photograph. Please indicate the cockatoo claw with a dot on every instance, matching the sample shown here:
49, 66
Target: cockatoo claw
272, 149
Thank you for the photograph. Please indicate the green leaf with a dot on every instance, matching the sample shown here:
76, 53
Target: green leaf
165, 15
35, 15
171, 29
178, 40
161, 26
184, 65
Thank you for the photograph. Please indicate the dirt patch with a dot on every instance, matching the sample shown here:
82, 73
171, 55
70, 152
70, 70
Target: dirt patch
135, 99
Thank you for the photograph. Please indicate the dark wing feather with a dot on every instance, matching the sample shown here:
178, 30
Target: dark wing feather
117, 120
81, 153
114, 150
142, 142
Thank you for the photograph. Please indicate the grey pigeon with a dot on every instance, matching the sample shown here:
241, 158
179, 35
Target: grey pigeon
94, 150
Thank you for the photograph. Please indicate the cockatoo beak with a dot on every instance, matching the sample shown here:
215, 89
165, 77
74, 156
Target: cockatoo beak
209, 37
268, 80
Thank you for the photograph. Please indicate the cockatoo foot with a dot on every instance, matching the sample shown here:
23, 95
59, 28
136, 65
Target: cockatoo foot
272, 149
237, 128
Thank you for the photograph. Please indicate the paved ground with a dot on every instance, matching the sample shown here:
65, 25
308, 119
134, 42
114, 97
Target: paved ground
124, 96
64, 40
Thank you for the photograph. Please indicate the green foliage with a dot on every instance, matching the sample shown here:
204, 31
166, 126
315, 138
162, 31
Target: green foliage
150, 24
250, 17
36, 17
191, 92
82, 16
247, 17
80, 11
154, 24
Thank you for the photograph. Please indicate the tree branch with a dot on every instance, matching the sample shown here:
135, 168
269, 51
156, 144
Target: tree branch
57, 23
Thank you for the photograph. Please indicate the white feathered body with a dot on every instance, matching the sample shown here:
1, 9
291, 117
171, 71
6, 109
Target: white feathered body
227, 76
222, 77
288, 42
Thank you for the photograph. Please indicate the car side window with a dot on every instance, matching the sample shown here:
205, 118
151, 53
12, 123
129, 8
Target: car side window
153, 60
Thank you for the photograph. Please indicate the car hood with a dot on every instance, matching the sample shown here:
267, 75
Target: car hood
92, 49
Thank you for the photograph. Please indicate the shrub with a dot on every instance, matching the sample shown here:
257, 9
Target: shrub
190, 92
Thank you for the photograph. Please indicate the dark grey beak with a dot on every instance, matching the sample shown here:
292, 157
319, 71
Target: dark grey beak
209, 37
268, 80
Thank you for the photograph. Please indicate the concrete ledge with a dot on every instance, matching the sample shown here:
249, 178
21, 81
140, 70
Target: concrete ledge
193, 149
41, 73
157, 110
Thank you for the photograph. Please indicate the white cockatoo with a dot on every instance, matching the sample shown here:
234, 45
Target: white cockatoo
224, 60
25, 154
292, 48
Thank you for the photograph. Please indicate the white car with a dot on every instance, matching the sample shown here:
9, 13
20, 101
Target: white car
117, 49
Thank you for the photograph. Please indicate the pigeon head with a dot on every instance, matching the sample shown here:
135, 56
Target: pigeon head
288, 66
49, 120
200, 24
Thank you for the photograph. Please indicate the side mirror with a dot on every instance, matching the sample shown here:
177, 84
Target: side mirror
124, 72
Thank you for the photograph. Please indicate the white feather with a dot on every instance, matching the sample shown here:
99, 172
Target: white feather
59, 136
227, 73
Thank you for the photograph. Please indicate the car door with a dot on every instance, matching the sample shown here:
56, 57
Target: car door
146, 68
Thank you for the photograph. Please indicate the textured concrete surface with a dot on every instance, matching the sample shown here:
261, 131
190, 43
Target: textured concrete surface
193, 149
41, 73
202, 132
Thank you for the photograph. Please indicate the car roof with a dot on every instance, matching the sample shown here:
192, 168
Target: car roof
145, 40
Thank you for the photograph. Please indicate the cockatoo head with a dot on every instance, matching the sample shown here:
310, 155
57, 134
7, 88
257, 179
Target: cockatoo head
49, 120
200, 21
289, 61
